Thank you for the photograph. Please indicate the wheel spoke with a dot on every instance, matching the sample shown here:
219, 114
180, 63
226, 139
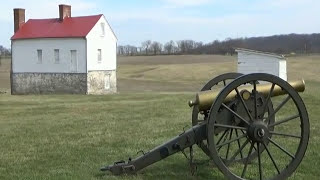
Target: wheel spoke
229, 126
278, 108
244, 104
247, 161
250, 140
228, 148
274, 163
224, 133
285, 120
259, 161
283, 134
268, 99
234, 113
224, 139
282, 149
230, 141
239, 150
224, 82
253, 146
241, 155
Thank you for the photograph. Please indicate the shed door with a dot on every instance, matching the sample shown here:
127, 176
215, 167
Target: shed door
74, 61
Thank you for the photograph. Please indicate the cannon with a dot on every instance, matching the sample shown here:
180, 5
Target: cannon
253, 126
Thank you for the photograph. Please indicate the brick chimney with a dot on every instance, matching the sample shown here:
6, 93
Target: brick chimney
64, 11
19, 18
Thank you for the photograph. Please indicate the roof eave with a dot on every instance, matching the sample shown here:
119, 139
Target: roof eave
279, 56
48, 37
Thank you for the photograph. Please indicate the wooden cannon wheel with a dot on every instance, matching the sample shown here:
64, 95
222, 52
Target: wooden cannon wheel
285, 140
218, 83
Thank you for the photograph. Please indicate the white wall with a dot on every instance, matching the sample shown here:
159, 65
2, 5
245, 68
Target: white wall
283, 69
107, 44
25, 57
256, 63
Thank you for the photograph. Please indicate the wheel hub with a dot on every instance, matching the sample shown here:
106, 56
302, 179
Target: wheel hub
258, 131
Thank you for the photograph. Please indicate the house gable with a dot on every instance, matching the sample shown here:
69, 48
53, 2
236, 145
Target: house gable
101, 44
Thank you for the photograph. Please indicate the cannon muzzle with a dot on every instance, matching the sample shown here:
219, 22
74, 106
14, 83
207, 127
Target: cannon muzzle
205, 99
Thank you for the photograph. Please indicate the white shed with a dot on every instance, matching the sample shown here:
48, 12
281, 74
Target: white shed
251, 61
63, 55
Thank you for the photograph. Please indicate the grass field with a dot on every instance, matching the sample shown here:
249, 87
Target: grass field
71, 136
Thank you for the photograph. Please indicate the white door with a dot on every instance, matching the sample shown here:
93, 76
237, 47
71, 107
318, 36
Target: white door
74, 61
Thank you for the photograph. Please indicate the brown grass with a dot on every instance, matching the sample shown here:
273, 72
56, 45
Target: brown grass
189, 73
170, 73
181, 73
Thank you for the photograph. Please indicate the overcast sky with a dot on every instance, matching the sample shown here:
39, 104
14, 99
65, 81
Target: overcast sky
162, 20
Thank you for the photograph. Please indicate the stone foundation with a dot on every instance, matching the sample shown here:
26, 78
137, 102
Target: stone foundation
102, 82
48, 83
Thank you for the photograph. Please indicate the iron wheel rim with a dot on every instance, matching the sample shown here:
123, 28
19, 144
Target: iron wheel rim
301, 149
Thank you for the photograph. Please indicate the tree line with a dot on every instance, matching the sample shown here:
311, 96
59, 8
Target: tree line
4, 51
281, 44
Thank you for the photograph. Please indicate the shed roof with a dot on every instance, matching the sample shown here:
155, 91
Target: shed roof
279, 56
55, 28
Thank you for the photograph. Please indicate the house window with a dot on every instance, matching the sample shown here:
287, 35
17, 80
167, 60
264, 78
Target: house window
102, 29
39, 54
99, 56
56, 56
107, 81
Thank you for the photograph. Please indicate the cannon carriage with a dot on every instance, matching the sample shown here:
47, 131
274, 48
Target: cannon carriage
252, 126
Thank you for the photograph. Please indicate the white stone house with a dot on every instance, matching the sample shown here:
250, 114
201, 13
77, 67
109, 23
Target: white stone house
75, 55
251, 61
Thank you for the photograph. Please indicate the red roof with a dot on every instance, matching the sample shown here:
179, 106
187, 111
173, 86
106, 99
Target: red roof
54, 28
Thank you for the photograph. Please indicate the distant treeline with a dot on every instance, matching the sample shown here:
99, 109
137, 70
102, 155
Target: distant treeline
4, 51
281, 44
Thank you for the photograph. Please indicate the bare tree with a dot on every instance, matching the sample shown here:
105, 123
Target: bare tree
185, 46
198, 44
4, 52
121, 50
146, 45
169, 47
130, 50
156, 47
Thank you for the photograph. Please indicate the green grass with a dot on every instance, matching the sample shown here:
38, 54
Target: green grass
72, 136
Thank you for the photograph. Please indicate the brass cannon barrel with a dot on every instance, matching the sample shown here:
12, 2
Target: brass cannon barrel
205, 99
